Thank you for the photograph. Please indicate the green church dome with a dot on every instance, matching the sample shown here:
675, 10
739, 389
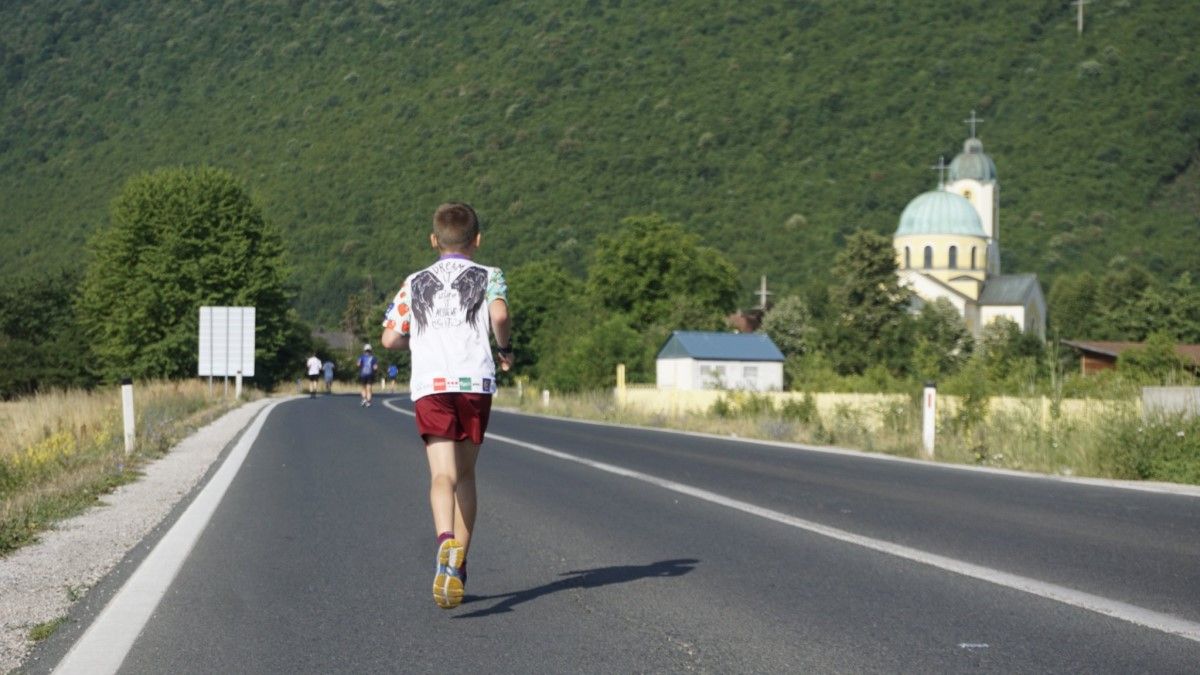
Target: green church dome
940, 212
973, 163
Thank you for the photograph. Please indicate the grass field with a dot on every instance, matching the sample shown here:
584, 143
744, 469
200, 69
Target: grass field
61, 450
1111, 440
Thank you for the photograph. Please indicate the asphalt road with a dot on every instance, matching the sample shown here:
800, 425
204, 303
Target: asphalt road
319, 559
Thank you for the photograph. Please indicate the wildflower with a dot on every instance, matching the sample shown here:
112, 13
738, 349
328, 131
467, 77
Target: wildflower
1179, 434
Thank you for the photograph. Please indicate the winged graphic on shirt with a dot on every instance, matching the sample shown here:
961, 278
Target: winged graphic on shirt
424, 287
471, 286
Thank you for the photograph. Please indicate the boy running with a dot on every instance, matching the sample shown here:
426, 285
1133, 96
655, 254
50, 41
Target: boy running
443, 314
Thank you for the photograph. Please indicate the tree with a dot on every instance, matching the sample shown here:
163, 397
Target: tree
1073, 306
869, 322
943, 342
1155, 361
1008, 354
39, 336
658, 274
790, 326
179, 239
540, 295
586, 356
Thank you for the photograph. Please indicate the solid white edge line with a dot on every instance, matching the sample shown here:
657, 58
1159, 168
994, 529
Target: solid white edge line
1116, 609
106, 642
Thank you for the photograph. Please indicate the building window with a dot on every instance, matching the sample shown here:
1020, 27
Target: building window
928, 257
972, 257
907, 257
712, 377
953, 257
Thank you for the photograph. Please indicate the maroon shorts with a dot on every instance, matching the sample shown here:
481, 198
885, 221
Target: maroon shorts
457, 416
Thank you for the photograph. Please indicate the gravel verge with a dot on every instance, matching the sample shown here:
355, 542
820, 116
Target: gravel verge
40, 582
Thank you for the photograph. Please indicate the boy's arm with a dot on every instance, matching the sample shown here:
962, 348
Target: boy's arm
393, 340
498, 311
396, 322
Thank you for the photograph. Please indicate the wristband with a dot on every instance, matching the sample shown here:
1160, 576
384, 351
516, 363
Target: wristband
504, 350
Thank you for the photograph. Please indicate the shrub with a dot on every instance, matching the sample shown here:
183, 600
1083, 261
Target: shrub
1165, 448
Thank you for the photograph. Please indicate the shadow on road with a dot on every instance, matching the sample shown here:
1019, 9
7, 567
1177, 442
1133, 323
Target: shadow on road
601, 576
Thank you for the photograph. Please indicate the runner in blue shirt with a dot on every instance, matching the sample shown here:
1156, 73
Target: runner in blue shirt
367, 365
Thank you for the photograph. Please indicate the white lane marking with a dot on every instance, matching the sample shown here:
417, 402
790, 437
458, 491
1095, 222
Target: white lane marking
107, 641
1156, 487
1116, 609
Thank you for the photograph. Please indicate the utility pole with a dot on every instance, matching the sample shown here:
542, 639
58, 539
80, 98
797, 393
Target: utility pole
1079, 15
762, 293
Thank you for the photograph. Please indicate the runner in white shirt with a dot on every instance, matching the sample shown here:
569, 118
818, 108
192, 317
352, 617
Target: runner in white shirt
314, 373
443, 314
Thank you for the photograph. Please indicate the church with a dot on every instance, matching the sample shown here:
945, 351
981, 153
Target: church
948, 246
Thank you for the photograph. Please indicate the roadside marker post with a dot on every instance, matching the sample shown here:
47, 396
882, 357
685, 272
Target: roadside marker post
127, 413
237, 391
929, 420
545, 397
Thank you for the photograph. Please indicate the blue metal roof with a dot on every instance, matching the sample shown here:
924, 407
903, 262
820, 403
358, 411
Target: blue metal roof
713, 346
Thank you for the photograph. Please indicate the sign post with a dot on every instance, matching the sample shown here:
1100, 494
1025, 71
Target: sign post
127, 414
929, 420
226, 345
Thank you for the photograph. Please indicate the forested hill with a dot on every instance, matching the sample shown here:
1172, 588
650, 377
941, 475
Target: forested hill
770, 128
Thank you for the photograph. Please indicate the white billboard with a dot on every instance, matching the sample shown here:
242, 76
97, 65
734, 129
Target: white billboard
226, 341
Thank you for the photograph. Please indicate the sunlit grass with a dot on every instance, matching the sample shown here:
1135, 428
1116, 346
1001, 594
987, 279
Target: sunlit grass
60, 450
1108, 438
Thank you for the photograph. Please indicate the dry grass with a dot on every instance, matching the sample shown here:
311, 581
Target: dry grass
60, 450
1018, 437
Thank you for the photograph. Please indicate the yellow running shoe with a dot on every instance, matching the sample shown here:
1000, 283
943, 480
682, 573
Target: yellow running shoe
448, 578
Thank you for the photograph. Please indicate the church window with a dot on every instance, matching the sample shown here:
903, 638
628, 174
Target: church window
907, 257
953, 257
928, 257
972, 257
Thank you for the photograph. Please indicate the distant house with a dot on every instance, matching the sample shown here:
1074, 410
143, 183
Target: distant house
1095, 356
706, 360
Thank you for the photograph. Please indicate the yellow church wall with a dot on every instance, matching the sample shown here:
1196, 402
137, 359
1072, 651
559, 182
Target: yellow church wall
941, 244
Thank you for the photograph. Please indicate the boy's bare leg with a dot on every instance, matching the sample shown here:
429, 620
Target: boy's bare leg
465, 454
443, 479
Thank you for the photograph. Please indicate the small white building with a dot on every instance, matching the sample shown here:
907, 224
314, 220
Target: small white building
693, 360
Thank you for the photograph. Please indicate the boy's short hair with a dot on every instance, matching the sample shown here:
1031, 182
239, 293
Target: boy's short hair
455, 225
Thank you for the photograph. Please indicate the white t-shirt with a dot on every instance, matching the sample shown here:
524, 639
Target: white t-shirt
444, 311
314, 365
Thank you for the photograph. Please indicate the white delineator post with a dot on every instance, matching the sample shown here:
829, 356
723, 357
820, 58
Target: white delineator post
929, 418
237, 390
127, 413
545, 397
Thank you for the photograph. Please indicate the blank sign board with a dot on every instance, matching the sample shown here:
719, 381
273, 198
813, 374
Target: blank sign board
226, 341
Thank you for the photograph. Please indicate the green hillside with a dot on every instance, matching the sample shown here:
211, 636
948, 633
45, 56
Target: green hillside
771, 129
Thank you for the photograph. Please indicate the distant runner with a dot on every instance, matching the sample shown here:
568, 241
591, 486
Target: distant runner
328, 367
367, 365
314, 371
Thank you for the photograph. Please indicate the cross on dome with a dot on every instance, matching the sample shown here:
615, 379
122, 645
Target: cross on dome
973, 121
940, 167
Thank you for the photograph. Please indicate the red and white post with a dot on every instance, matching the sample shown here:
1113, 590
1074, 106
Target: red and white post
929, 418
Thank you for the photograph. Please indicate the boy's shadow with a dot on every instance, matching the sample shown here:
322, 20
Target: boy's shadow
601, 576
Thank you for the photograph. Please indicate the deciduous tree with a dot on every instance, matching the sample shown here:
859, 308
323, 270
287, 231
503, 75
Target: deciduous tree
179, 239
